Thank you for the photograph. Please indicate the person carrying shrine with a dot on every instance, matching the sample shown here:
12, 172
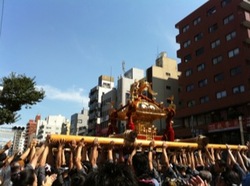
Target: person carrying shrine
169, 134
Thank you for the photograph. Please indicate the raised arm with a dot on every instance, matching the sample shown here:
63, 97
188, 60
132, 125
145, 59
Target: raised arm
231, 159
94, 154
240, 159
78, 158
28, 150
199, 158
121, 158
110, 151
36, 156
165, 155
235, 165
41, 173
245, 159
73, 147
136, 146
209, 155
60, 147
150, 154
6, 147
191, 158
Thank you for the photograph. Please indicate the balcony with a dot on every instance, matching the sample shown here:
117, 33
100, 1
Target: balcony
42, 126
247, 41
246, 23
245, 4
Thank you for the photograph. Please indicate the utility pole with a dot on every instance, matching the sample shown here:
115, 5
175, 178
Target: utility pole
241, 131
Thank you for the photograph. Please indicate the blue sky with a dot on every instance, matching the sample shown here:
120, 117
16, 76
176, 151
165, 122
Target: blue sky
66, 45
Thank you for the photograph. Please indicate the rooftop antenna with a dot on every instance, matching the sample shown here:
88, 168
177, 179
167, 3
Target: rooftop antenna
157, 52
110, 79
123, 67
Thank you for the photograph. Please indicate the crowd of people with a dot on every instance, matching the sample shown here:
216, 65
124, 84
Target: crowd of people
76, 163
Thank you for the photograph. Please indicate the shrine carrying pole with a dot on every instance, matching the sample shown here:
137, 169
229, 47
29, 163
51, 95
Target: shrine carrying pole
55, 138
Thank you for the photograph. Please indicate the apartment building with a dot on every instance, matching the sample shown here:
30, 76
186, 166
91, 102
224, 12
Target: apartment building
105, 84
53, 124
18, 139
79, 123
215, 64
30, 132
116, 98
108, 102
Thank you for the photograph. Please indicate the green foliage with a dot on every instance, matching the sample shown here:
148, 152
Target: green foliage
17, 91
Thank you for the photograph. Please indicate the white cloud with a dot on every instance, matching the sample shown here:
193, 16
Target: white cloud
71, 95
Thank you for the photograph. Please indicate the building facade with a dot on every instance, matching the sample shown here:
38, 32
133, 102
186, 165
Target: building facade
30, 132
163, 77
124, 83
79, 123
18, 139
52, 124
109, 101
7, 134
105, 84
215, 64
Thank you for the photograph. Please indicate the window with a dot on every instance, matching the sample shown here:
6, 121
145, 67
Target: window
107, 85
201, 67
204, 99
187, 58
215, 43
168, 87
189, 72
218, 77
231, 35
238, 89
233, 52
235, 71
213, 28
199, 51
186, 44
79, 121
198, 36
197, 20
191, 103
189, 88
221, 94
228, 19
211, 11
202, 83
185, 28
127, 95
168, 74
225, 2
217, 60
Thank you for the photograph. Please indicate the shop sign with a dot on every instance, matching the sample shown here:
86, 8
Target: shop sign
223, 126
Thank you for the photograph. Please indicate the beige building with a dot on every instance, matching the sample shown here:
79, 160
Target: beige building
164, 79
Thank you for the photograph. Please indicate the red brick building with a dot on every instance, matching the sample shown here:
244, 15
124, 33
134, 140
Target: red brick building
215, 65
31, 130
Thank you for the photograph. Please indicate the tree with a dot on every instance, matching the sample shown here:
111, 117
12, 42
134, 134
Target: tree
17, 91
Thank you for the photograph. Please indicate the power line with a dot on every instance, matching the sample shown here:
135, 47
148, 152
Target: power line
1, 21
